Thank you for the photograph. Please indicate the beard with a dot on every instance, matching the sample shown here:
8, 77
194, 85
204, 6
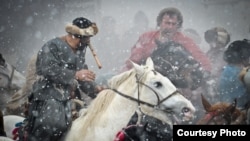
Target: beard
168, 31
82, 46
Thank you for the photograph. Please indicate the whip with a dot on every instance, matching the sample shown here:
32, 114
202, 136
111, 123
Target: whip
95, 56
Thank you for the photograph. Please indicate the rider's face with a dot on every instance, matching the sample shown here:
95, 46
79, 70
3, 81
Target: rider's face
84, 40
169, 24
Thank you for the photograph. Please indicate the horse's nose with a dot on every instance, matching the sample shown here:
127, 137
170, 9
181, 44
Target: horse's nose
188, 113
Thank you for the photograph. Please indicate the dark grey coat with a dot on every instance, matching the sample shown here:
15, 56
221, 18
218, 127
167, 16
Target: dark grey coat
50, 111
57, 65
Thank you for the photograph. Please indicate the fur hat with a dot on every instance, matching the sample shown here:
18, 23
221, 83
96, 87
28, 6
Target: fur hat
217, 35
82, 27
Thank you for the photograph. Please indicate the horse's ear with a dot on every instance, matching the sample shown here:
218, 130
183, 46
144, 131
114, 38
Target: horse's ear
150, 63
205, 103
139, 69
231, 108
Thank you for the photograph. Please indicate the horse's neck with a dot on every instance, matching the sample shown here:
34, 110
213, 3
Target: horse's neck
18, 80
125, 104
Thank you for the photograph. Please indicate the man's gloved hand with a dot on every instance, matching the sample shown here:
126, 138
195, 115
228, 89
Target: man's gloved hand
85, 75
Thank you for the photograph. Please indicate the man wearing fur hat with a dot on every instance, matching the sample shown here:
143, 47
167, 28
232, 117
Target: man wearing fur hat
61, 70
217, 38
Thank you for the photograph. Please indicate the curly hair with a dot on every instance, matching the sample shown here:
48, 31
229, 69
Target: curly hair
237, 52
171, 11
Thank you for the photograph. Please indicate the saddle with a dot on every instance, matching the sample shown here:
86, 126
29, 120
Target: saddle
149, 128
172, 60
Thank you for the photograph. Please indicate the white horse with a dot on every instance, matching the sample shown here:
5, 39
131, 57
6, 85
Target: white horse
10, 81
3, 132
5, 139
139, 88
9, 124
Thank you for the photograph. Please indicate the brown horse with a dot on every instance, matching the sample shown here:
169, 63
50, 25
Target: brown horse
221, 114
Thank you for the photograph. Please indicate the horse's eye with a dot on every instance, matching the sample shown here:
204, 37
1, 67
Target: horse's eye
158, 84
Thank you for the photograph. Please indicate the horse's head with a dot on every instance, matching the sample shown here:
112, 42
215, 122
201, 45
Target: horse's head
161, 94
10, 79
221, 113
174, 61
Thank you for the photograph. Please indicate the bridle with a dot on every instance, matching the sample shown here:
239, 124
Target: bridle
140, 113
156, 106
10, 78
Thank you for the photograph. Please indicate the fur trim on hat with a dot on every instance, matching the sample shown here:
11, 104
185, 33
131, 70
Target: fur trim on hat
223, 37
90, 31
217, 35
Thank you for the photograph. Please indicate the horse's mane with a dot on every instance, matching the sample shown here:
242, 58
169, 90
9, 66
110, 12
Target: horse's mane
117, 80
21, 96
227, 110
222, 107
100, 104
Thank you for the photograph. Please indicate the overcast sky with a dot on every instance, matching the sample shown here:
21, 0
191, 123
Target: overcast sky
27, 24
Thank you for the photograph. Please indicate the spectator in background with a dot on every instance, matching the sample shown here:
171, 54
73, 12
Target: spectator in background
140, 25
230, 86
109, 45
196, 37
193, 34
217, 38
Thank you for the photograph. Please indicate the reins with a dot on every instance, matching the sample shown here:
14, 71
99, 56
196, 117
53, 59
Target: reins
143, 102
